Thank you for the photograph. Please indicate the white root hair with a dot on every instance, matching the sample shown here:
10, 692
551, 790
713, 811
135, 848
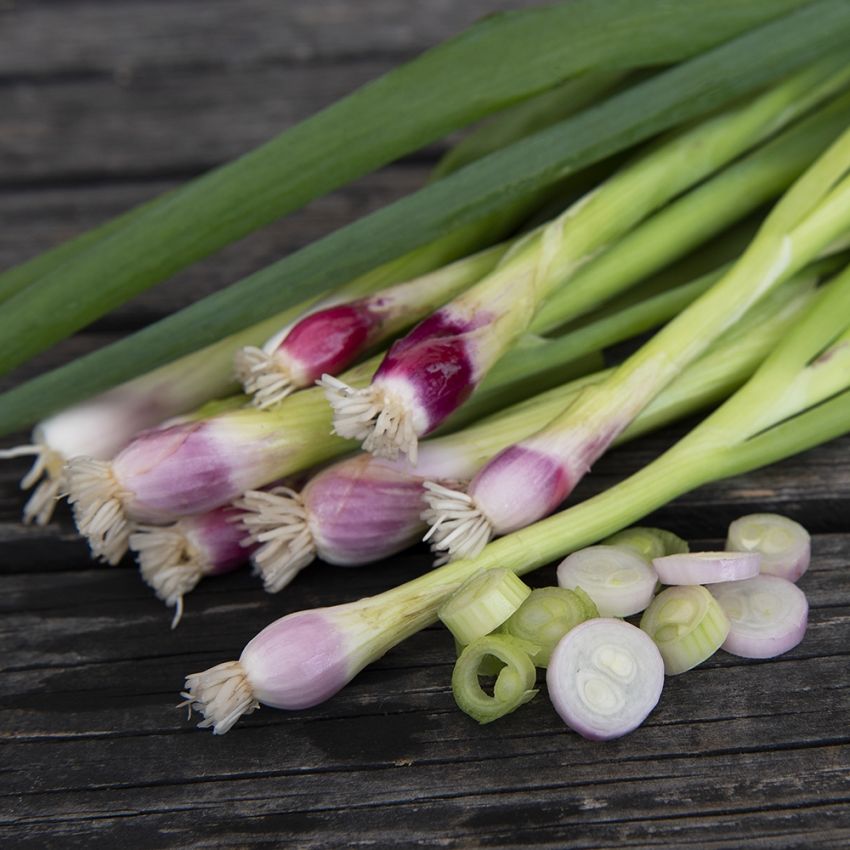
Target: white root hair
265, 377
98, 502
379, 418
277, 519
458, 528
47, 475
168, 562
222, 694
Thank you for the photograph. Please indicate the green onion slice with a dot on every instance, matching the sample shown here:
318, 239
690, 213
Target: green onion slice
547, 615
514, 684
648, 542
687, 624
482, 603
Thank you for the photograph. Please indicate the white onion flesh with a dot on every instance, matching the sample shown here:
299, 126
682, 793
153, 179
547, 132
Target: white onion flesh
707, 567
767, 614
618, 581
604, 677
785, 546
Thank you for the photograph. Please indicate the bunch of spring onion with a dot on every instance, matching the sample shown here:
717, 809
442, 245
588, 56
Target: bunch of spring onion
528, 480
798, 398
174, 558
363, 508
197, 467
430, 372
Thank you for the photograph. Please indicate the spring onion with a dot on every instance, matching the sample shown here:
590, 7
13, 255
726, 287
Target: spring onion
430, 372
514, 685
619, 582
649, 543
707, 567
317, 652
329, 340
482, 603
530, 479
687, 625
784, 545
173, 559
767, 615
604, 679
547, 615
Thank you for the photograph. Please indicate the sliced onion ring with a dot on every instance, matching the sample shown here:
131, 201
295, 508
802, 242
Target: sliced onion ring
767, 615
618, 581
785, 546
604, 678
707, 567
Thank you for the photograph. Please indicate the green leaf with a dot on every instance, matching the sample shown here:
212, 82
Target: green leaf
497, 62
682, 93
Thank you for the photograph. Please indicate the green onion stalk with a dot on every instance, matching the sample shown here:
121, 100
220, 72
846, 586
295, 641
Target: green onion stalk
430, 372
797, 399
505, 127
530, 479
101, 426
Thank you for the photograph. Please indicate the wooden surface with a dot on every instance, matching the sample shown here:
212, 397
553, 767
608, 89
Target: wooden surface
107, 102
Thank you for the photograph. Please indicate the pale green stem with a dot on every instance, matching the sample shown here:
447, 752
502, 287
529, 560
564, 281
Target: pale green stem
697, 216
546, 258
773, 256
720, 371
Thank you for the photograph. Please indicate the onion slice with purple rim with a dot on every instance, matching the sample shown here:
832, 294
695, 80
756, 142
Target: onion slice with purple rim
707, 567
618, 581
768, 615
785, 546
604, 678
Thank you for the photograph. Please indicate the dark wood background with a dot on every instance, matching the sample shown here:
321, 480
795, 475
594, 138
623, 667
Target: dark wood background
104, 103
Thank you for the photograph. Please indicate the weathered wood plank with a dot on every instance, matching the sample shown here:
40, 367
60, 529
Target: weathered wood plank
159, 124
121, 38
759, 743
743, 754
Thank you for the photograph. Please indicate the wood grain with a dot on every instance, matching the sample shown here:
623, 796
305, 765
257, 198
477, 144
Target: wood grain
107, 103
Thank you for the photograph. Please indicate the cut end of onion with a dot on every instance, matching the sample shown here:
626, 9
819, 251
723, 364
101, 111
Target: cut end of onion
784, 545
619, 581
277, 521
375, 416
168, 563
222, 694
265, 377
458, 528
605, 676
47, 475
768, 615
97, 500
